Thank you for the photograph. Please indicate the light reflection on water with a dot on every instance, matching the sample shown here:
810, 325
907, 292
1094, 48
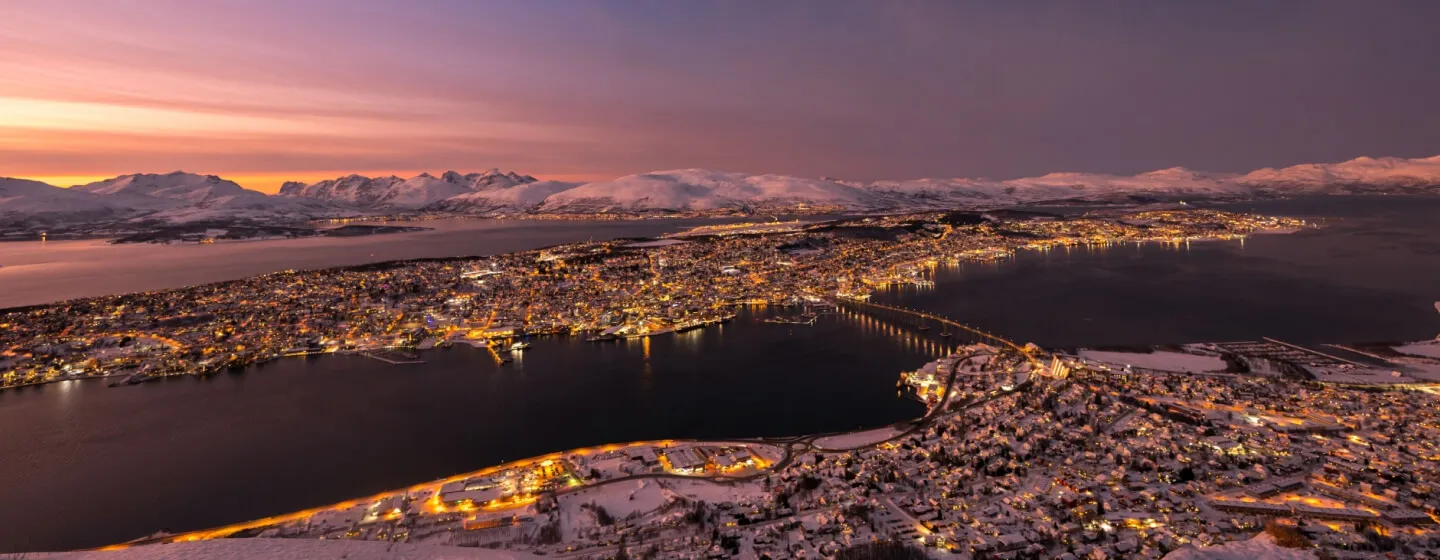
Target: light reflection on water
1370, 273
88, 465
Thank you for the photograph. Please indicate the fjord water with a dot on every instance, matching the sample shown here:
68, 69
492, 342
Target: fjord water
1370, 273
86, 465
34, 273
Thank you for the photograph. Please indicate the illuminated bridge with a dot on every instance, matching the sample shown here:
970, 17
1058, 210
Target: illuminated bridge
960, 332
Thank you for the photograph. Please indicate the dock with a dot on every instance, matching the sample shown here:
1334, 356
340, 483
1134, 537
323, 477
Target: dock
394, 358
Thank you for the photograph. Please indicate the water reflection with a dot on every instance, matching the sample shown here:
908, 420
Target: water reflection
297, 433
41, 272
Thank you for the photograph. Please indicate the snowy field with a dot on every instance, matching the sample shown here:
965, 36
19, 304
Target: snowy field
1429, 349
1164, 361
857, 439
644, 499
290, 549
1360, 376
1262, 547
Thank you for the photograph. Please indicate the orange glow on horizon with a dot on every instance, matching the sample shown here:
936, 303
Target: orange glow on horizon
270, 182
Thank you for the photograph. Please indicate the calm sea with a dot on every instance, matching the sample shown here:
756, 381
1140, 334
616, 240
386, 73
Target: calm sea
34, 272
1371, 273
86, 465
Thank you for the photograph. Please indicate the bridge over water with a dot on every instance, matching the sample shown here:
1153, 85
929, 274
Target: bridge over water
958, 332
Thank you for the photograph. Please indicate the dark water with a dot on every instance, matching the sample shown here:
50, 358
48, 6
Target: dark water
86, 465
34, 272
1372, 273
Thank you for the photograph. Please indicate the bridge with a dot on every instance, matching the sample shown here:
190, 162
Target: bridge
965, 333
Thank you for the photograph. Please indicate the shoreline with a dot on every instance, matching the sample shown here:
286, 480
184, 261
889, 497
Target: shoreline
359, 351
790, 447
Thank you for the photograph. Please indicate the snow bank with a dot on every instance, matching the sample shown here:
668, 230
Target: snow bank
290, 549
1164, 361
1429, 349
619, 499
857, 439
716, 493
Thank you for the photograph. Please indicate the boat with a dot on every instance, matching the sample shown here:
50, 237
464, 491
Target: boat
522, 345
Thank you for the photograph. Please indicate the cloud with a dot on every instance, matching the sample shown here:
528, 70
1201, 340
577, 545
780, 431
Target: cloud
856, 89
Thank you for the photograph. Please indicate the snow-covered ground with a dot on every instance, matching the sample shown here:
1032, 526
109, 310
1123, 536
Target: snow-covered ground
1360, 376
714, 492
1262, 547
857, 439
1160, 360
656, 243
290, 549
645, 495
1428, 348
620, 499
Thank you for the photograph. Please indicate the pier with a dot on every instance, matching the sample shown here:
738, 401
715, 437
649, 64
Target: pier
394, 358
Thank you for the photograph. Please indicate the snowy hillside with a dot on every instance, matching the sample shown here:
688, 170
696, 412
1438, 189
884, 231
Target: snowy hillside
396, 193
186, 197
25, 201
1362, 174
700, 189
1174, 183
1262, 547
176, 188
267, 209
181, 197
522, 197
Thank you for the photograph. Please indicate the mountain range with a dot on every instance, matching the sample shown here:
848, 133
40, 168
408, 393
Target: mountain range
180, 197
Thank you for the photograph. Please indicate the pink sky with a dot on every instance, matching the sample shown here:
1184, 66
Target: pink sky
264, 91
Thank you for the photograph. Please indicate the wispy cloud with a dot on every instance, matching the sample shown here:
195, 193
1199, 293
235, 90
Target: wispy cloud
859, 89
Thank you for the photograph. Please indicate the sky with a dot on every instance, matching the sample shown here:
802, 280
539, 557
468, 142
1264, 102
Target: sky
264, 91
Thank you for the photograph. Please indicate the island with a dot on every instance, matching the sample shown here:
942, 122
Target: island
220, 232
1022, 452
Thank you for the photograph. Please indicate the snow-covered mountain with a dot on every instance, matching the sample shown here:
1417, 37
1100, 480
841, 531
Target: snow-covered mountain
701, 189
180, 197
186, 197
510, 199
31, 202
178, 188
406, 194
172, 198
1059, 187
1359, 175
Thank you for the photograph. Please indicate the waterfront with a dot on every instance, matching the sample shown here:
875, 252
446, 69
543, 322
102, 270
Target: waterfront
33, 273
88, 465
1369, 274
